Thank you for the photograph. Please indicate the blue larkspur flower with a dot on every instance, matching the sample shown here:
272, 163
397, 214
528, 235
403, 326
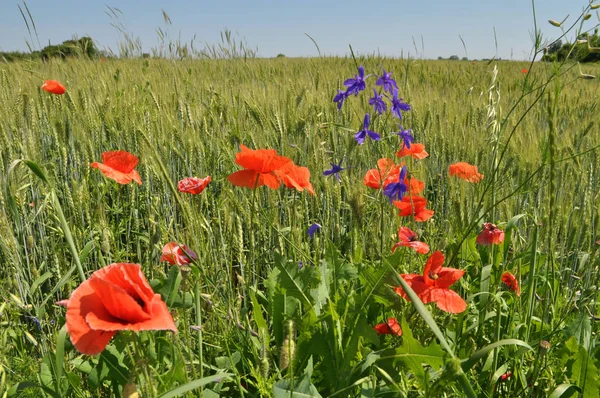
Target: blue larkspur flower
314, 227
387, 82
377, 102
406, 137
339, 98
397, 189
357, 83
398, 105
362, 134
335, 170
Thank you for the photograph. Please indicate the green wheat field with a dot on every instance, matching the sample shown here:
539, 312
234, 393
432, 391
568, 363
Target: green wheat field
267, 311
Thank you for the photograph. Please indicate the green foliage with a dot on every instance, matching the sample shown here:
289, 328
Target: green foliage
83, 47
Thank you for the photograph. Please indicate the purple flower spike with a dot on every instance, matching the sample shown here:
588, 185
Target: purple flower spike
357, 83
398, 106
387, 82
312, 229
406, 137
377, 102
335, 170
362, 134
339, 98
396, 190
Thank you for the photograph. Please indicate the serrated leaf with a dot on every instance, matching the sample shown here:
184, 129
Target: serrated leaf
412, 355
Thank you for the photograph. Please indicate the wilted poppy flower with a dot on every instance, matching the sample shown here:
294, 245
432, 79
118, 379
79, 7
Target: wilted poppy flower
119, 166
116, 297
414, 205
433, 285
511, 281
416, 151
54, 87
409, 239
465, 171
259, 168
193, 185
490, 235
174, 253
390, 327
295, 177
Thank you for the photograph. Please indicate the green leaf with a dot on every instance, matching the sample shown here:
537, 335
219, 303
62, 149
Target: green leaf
580, 328
195, 384
412, 355
37, 170
564, 391
295, 281
60, 355
580, 368
302, 389
39, 281
469, 363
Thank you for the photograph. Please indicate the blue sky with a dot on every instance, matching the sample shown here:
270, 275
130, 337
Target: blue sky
385, 26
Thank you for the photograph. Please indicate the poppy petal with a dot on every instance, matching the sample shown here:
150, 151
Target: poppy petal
161, 319
118, 302
119, 177
122, 161
244, 178
447, 276
420, 247
84, 301
433, 267
448, 300
128, 277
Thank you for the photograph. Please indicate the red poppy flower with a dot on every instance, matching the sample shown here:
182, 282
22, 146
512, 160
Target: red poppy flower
116, 297
506, 376
465, 171
524, 70
415, 187
490, 235
511, 281
174, 253
54, 87
119, 166
390, 327
193, 185
414, 205
259, 168
416, 151
386, 172
409, 239
433, 285
295, 177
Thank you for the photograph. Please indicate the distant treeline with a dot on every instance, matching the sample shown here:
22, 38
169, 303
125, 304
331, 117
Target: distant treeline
587, 49
82, 47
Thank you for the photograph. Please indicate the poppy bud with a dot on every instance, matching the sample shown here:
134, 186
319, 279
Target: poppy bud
287, 353
554, 23
544, 347
130, 391
587, 16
